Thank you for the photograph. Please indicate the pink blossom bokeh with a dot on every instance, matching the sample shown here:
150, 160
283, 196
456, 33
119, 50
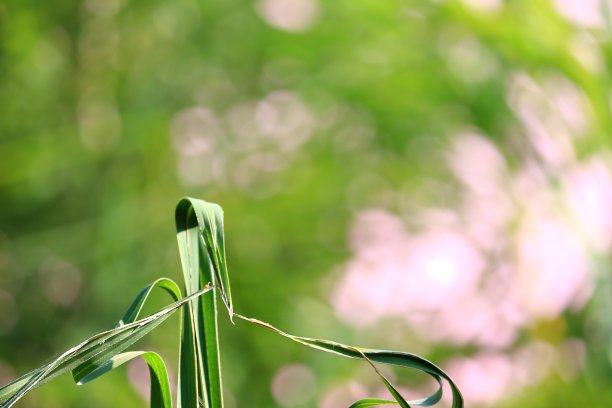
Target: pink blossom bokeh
514, 250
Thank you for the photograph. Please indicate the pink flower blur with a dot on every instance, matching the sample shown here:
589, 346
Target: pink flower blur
513, 251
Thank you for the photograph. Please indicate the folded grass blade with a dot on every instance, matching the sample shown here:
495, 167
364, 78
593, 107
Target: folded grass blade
207, 219
199, 228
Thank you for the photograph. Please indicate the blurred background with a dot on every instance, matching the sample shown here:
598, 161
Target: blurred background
428, 176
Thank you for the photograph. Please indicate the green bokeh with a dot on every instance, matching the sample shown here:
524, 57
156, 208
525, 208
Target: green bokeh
90, 92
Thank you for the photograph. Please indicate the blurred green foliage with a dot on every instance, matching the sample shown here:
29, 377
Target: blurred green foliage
99, 137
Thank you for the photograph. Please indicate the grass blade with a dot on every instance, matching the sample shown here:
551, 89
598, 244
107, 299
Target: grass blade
371, 402
398, 358
96, 350
201, 244
161, 396
136, 307
202, 261
206, 219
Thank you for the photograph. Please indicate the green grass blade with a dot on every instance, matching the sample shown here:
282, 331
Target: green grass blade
202, 262
160, 389
208, 335
96, 349
188, 386
398, 397
190, 371
213, 240
136, 307
209, 220
398, 358
160, 386
409, 360
371, 402
202, 252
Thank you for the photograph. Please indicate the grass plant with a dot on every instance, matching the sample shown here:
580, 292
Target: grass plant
206, 287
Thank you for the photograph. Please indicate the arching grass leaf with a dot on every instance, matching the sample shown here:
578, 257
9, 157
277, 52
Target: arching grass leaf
95, 350
398, 358
161, 396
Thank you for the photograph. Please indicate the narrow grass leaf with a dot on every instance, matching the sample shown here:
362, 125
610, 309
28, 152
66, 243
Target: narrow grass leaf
95, 350
136, 307
202, 263
190, 369
161, 396
398, 358
371, 402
